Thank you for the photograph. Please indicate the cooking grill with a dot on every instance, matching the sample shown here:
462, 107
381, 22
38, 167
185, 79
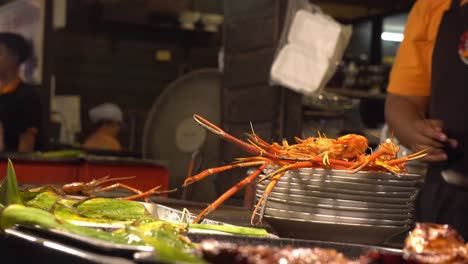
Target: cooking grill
45, 246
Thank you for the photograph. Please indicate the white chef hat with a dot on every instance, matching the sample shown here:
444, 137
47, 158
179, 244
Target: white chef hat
106, 112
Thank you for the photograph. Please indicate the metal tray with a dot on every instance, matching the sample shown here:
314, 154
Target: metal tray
338, 232
352, 197
26, 246
172, 215
325, 188
349, 205
344, 213
344, 183
163, 213
307, 172
354, 179
334, 219
90, 244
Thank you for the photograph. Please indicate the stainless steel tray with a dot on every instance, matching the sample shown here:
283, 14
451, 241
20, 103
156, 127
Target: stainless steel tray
355, 179
343, 183
29, 245
325, 188
307, 172
172, 215
335, 212
350, 206
333, 219
352, 197
337, 232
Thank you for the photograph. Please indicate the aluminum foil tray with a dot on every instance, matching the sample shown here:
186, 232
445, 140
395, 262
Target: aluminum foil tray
172, 215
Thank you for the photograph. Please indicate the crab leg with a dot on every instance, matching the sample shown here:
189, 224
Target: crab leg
212, 171
230, 192
138, 193
286, 168
221, 133
147, 193
359, 165
414, 156
261, 204
374, 157
258, 141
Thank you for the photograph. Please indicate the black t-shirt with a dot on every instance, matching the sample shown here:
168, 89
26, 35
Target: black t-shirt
19, 111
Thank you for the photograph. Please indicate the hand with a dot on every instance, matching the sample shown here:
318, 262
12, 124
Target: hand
427, 134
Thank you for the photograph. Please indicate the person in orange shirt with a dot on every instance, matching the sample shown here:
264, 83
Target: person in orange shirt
20, 105
107, 119
425, 106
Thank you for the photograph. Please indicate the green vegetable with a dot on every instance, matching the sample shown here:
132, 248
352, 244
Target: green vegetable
19, 214
9, 191
69, 153
232, 229
165, 252
93, 210
166, 240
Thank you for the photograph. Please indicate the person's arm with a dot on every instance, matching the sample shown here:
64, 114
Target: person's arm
409, 88
406, 117
27, 140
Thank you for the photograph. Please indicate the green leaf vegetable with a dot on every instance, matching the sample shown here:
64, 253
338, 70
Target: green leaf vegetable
9, 191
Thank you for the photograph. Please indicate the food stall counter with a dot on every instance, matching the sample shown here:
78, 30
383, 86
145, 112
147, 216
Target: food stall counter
34, 169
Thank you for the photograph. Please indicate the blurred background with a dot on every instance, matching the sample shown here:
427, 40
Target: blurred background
163, 61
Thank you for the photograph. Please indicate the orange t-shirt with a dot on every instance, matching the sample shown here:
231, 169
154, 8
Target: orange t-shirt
411, 72
102, 141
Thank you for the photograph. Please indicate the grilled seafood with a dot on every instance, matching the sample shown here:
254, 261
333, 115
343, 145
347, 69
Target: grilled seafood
225, 252
434, 243
345, 153
93, 186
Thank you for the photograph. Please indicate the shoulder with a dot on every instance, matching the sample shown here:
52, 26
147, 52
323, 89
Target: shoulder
431, 5
424, 19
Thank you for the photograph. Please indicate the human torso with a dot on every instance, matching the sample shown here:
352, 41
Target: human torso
102, 141
14, 113
449, 89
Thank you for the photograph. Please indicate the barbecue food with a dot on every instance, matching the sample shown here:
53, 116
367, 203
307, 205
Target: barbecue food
433, 243
347, 152
224, 252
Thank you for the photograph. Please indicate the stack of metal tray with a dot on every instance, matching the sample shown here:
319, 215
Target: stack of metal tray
334, 205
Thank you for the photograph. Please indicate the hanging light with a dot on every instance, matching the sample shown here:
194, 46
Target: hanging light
392, 36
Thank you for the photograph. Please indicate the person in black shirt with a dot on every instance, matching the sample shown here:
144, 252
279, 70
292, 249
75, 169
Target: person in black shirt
20, 106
